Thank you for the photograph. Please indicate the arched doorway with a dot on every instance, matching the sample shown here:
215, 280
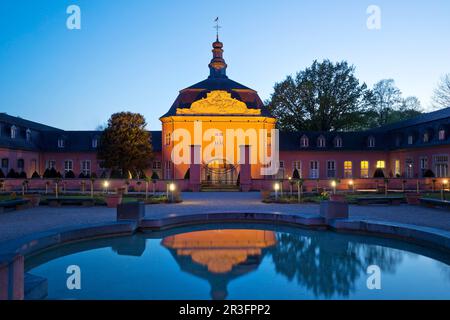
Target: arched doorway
219, 172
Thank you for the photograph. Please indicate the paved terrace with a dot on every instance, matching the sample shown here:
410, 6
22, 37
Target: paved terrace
20, 223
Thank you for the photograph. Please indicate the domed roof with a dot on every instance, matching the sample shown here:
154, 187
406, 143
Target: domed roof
217, 80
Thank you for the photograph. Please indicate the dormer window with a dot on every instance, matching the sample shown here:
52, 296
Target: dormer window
95, 143
13, 132
321, 142
410, 139
426, 137
28, 135
442, 134
398, 141
304, 142
338, 142
371, 142
61, 143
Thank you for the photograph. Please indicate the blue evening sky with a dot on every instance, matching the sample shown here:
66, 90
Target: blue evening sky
136, 55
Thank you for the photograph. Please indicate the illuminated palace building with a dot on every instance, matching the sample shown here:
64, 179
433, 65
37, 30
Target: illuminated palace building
218, 132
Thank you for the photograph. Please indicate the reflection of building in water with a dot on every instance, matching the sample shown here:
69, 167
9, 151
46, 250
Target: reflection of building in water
219, 256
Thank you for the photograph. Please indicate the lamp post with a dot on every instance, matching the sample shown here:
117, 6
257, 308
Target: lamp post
333, 185
351, 183
291, 183
276, 187
444, 183
106, 186
172, 188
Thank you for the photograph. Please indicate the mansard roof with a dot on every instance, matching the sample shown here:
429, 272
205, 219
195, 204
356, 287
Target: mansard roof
27, 124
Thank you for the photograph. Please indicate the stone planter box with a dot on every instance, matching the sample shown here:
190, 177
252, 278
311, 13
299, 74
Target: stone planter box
338, 198
413, 199
35, 199
331, 210
113, 200
265, 194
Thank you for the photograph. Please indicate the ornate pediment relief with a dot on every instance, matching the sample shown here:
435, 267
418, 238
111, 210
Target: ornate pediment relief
218, 102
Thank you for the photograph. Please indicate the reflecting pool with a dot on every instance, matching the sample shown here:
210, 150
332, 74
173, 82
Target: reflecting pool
244, 262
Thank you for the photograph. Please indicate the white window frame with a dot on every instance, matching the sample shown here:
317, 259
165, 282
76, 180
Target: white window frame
442, 134
441, 164
321, 142
86, 167
13, 132
68, 166
314, 173
61, 143
333, 162
304, 142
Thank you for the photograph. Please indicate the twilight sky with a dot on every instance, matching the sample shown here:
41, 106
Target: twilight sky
136, 55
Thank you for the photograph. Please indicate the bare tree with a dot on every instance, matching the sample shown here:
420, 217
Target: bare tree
441, 98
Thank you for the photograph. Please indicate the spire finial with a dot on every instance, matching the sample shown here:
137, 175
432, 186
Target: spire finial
217, 27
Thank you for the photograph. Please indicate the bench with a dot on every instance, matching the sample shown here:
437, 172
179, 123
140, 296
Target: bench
15, 204
432, 203
57, 202
380, 200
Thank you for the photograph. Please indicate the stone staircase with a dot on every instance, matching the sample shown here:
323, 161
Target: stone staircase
219, 188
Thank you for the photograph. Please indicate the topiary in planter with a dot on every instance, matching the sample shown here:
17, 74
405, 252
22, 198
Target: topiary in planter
12, 174
154, 176
429, 174
378, 173
22, 175
187, 176
69, 175
296, 175
2, 175
35, 175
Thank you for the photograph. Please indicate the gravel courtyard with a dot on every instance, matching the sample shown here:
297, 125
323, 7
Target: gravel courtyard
20, 223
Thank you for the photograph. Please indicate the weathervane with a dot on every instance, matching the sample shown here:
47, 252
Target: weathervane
217, 27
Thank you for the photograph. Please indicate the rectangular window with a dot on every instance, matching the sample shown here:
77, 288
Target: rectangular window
5, 164
441, 166
86, 167
397, 168
51, 164
423, 165
167, 170
331, 169
409, 164
20, 164
156, 165
348, 169
314, 169
167, 139
364, 169
381, 164
410, 139
297, 167
34, 165
60, 143
441, 135
68, 166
